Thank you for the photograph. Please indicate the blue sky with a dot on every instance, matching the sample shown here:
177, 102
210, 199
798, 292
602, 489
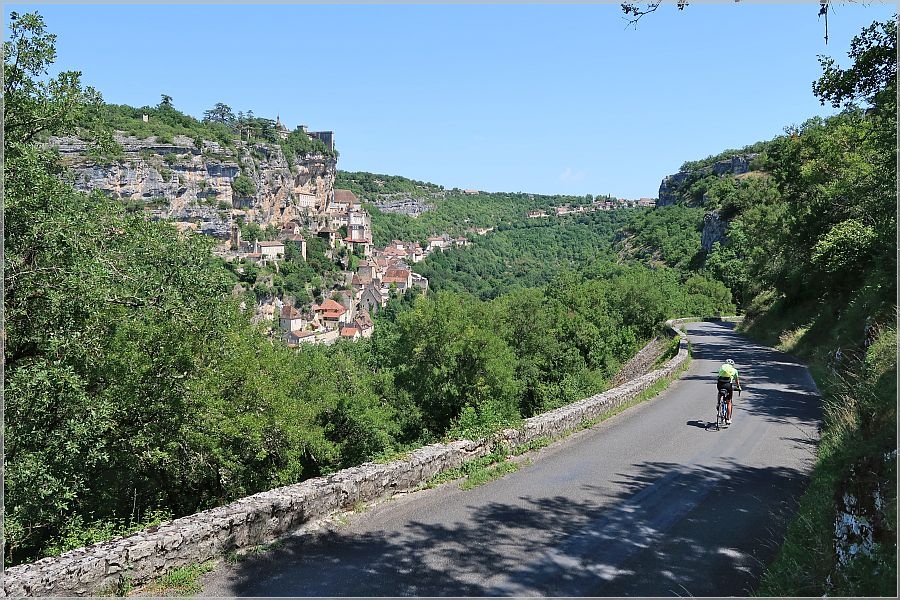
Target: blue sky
550, 99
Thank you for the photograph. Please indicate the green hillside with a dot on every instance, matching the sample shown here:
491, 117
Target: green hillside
138, 389
811, 256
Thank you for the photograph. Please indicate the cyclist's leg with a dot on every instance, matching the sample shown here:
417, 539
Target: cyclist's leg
719, 390
728, 399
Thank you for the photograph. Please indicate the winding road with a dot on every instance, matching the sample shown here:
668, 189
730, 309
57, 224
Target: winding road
652, 502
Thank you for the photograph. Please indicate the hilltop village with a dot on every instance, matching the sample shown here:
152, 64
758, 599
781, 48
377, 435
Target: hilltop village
266, 197
380, 273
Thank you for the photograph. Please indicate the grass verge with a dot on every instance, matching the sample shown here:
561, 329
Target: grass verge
235, 556
184, 581
852, 460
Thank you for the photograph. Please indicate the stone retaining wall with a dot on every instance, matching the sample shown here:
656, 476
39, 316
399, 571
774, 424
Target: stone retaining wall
640, 363
266, 516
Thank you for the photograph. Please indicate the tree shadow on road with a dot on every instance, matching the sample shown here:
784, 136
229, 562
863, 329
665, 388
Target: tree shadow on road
777, 386
662, 529
668, 531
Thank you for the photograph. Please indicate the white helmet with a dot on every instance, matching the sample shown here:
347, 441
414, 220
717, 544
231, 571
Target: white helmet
729, 361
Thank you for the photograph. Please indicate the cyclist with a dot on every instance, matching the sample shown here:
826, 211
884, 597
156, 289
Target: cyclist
728, 376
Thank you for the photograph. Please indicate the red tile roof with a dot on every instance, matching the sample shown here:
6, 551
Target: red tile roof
363, 319
330, 309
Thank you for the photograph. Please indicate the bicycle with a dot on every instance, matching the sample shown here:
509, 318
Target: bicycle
722, 407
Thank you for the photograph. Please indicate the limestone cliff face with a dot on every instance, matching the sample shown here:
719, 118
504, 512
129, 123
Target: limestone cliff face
671, 186
714, 228
181, 182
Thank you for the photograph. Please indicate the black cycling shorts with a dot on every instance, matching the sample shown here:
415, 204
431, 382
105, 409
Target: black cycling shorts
725, 383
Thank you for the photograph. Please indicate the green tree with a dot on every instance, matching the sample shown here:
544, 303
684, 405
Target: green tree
123, 346
220, 113
34, 105
873, 75
446, 359
243, 186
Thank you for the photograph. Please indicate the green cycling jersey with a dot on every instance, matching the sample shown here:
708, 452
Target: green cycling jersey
728, 371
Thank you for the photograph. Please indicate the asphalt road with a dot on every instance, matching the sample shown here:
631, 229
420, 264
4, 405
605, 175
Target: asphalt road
652, 502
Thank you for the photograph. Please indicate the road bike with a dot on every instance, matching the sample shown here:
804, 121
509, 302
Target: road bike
721, 409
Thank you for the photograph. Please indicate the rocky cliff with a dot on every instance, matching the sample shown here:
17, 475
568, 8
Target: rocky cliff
714, 228
672, 185
181, 182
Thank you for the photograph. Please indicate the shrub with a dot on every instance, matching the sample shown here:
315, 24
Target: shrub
243, 186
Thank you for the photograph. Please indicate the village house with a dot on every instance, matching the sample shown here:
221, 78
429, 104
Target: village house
417, 253
343, 202
419, 281
373, 297
366, 270
480, 230
358, 240
381, 265
291, 319
351, 333
395, 250
307, 202
332, 314
290, 232
269, 250
399, 277
361, 218
295, 338
289, 228
357, 233
440, 243
338, 220
364, 323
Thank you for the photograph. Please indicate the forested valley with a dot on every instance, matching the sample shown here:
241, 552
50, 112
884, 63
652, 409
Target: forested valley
137, 390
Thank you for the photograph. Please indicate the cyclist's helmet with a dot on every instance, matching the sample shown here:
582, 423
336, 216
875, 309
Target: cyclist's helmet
729, 361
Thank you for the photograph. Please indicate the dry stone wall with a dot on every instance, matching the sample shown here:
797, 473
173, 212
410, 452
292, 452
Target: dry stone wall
266, 516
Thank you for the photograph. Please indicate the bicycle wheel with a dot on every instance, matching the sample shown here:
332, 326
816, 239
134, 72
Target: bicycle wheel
721, 407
